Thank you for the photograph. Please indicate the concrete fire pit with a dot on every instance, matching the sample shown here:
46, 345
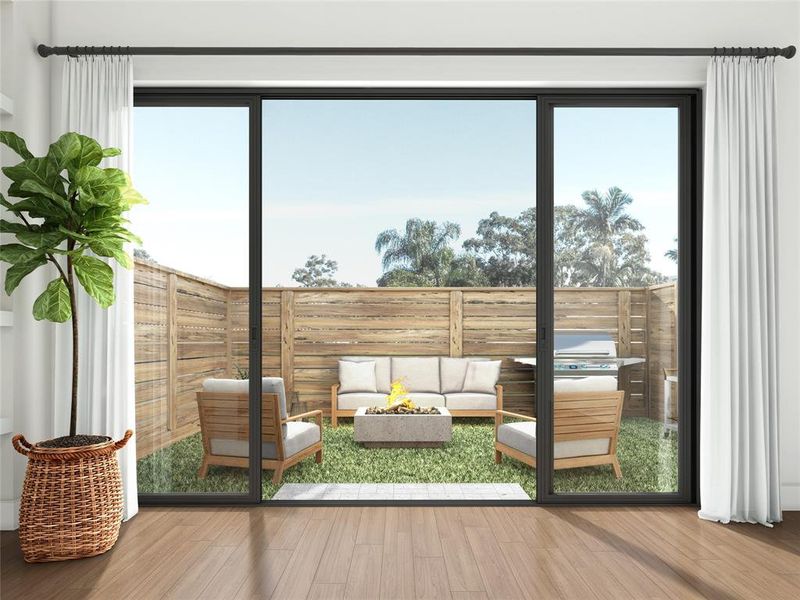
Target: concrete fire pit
403, 431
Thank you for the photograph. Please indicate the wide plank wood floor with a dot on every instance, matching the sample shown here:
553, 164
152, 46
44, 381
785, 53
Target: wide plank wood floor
414, 552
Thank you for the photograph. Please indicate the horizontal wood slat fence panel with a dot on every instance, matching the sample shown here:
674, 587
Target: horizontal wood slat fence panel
189, 329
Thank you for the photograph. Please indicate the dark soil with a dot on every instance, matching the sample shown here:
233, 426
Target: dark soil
74, 441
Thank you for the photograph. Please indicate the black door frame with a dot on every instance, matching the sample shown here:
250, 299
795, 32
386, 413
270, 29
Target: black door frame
688, 102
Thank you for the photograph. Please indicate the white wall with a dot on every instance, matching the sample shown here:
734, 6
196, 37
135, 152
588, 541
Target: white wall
25, 363
477, 23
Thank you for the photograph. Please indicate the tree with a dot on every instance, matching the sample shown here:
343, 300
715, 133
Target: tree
421, 254
505, 249
143, 254
672, 253
70, 212
319, 271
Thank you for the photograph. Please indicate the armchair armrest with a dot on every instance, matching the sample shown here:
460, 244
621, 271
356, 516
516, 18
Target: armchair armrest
317, 414
499, 414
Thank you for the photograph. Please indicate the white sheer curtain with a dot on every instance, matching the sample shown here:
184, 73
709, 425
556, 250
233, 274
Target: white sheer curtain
739, 479
98, 102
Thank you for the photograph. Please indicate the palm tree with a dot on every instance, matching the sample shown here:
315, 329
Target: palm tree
672, 253
605, 219
421, 253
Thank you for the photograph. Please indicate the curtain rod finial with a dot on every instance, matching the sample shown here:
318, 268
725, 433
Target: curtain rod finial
789, 51
44, 51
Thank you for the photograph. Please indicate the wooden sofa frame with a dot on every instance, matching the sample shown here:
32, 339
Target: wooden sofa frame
577, 416
488, 413
226, 415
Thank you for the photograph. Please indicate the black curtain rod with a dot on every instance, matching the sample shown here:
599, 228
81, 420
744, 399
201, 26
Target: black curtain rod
759, 52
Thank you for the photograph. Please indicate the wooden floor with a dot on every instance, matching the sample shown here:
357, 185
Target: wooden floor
400, 552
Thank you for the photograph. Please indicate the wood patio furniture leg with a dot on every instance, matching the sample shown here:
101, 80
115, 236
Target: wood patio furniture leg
277, 475
318, 456
617, 468
498, 456
334, 403
203, 471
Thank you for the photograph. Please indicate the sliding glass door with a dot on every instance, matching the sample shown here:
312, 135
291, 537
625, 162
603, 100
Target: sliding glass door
552, 235
191, 299
619, 404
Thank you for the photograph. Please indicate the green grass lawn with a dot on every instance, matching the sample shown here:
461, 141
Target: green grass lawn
649, 464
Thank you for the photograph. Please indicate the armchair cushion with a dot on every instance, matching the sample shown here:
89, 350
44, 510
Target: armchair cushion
357, 400
383, 376
357, 376
418, 374
471, 401
482, 376
595, 383
522, 436
271, 385
299, 435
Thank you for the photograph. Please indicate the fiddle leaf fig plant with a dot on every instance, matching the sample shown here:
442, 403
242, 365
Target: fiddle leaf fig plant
69, 211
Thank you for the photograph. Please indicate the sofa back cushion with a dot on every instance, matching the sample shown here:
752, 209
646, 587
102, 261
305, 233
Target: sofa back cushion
418, 374
452, 372
357, 376
383, 376
482, 376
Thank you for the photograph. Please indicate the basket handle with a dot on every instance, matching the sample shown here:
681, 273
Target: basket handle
21, 445
121, 443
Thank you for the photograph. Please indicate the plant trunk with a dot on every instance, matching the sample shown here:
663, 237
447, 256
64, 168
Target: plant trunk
73, 415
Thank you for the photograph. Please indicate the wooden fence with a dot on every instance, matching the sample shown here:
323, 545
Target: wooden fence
189, 329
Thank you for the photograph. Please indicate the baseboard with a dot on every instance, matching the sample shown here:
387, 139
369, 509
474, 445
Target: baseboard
9, 515
790, 496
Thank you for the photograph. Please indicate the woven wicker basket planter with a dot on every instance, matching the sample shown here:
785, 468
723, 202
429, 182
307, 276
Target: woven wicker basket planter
71, 505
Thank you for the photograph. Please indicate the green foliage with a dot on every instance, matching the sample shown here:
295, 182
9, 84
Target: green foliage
67, 209
319, 271
65, 196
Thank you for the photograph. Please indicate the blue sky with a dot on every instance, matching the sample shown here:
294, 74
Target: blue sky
338, 172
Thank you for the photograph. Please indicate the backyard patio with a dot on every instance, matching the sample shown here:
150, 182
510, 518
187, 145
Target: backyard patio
189, 330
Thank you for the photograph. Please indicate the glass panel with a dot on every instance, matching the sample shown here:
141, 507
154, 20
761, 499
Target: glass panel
615, 268
191, 303
380, 220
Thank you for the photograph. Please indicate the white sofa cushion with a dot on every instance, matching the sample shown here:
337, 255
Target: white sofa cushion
418, 374
383, 368
594, 383
482, 376
272, 385
471, 401
299, 435
357, 400
426, 400
357, 376
452, 372
522, 436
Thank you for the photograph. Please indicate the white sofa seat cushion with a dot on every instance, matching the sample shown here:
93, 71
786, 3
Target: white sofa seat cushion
522, 436
426, 400
383, 370
471, 401
357, 376
357, 400
271, 385
418, 374
299, 436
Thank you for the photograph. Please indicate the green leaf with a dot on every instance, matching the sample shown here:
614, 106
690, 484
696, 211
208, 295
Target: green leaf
52, 194
16, 143
64, 150
109, 152
74, 234
41, 170
130, 196
53, 303
89, 155
12, 227
17, 253
96, 277
40, 207
41, 239
99, 186
113, 248
18, 272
